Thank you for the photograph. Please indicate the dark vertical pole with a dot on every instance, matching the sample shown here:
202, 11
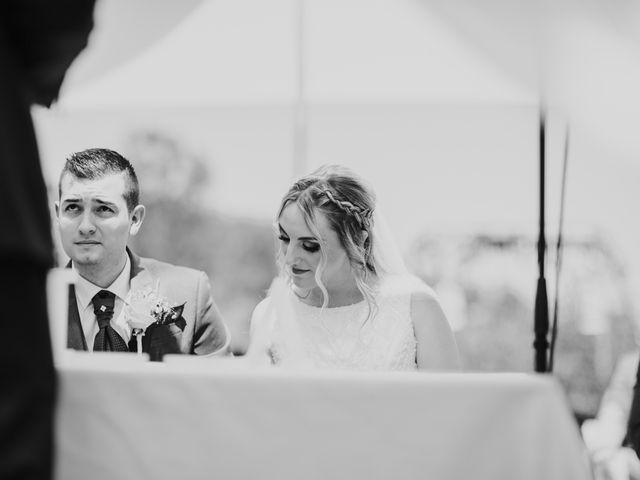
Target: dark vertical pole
541, 315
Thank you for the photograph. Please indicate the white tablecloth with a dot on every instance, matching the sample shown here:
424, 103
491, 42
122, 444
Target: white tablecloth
195, 420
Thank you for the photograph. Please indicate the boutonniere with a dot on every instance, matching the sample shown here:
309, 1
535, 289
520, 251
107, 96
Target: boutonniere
146, 307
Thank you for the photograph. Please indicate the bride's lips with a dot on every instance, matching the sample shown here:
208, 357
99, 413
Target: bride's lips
298, 271
87, 242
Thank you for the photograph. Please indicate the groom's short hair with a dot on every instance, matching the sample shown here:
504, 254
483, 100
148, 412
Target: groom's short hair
95, 163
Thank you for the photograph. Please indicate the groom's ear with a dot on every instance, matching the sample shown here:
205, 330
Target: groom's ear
56, 205
137, 216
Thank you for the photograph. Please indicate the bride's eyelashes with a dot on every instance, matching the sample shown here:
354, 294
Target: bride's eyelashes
311, 247
307, 245
282, 235
283, 238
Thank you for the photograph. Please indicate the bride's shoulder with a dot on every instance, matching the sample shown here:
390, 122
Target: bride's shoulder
261, 310
260, 324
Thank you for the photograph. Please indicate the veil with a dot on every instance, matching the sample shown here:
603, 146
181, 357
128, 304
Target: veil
388, 259
393, 274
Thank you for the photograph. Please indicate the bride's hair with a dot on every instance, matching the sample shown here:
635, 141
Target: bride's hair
348, 205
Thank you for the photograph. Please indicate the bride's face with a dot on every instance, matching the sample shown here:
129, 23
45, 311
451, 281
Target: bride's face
301, 251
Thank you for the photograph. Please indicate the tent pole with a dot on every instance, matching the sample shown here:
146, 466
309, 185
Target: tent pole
299, 164
541, 313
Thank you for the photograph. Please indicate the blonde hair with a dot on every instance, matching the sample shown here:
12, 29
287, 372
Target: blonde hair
348, 205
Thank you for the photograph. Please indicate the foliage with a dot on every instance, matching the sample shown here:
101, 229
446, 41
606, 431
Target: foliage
238, 255
495, 282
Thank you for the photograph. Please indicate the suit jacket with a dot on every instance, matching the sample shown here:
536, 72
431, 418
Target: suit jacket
199, 330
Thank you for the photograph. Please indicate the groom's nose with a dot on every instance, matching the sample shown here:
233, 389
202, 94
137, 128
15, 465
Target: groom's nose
87, 225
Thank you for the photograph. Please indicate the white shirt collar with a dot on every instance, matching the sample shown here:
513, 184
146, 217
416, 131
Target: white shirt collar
85, 290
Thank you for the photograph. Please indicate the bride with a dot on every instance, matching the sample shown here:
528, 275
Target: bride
344, 299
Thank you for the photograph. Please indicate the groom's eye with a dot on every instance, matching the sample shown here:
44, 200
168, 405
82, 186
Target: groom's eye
72, 207
104, 209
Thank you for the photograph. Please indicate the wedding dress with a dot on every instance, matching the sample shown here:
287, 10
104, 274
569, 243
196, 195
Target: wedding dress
299, 336
339, 338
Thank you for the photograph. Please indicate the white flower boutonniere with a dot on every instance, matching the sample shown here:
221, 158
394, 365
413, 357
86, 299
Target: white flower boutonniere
146, 307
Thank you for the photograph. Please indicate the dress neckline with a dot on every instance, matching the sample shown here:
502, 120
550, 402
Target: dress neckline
299, 301
333, 309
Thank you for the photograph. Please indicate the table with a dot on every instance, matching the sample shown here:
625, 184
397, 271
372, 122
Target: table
199, 419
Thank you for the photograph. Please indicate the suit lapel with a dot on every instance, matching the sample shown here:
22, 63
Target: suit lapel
75, 334
140, 279
158, 340
140, 275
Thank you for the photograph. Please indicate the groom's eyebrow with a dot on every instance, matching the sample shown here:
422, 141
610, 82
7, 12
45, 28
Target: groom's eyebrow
104, 202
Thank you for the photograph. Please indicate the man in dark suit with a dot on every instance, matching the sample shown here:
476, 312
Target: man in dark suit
97, 211
38, 41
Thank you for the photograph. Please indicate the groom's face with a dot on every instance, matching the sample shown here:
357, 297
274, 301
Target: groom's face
93, 219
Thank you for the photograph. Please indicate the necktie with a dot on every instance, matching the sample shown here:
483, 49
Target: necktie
107, 339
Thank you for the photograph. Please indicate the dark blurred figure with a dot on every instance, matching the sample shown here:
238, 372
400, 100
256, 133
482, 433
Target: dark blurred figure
633, 426
38, 41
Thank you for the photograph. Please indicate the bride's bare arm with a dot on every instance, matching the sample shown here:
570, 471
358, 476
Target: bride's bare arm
436, 346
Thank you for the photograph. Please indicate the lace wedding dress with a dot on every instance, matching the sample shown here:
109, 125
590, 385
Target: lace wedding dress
342, 338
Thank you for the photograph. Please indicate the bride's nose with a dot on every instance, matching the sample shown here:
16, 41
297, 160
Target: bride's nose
291, 255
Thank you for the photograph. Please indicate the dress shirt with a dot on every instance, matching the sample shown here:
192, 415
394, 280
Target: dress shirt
85, 291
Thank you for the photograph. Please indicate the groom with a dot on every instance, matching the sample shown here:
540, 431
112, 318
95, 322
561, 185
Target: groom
97, 211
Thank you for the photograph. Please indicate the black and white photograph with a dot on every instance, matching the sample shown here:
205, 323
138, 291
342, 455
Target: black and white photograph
320, 239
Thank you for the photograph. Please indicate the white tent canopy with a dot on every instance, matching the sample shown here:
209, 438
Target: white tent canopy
435, 101
246, 52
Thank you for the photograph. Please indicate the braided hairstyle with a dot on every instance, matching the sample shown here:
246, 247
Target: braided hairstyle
348, 205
